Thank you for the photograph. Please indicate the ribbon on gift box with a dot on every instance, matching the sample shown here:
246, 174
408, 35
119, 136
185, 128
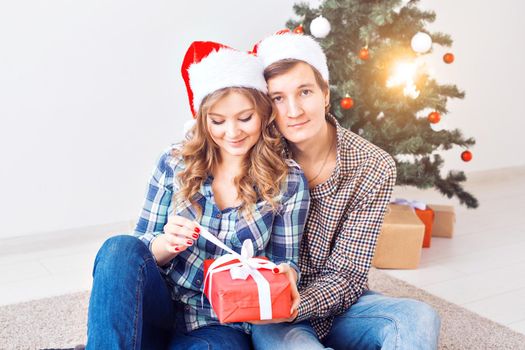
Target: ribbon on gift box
413, 204
247, 266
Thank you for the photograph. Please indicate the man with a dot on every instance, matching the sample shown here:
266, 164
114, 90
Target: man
350, 182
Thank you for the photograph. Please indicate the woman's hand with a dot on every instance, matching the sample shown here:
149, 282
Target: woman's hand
179, 234
292, 276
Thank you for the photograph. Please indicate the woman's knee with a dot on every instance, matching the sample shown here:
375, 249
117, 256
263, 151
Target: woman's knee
120, 250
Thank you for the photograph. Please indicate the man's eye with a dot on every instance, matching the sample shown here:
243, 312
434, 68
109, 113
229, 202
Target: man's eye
306, 92
246, 119
277, 99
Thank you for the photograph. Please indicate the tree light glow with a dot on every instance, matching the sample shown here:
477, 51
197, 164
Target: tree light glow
404, 73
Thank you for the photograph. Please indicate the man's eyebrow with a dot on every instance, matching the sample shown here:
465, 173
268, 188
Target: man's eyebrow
305, 85
240, 112
302, 86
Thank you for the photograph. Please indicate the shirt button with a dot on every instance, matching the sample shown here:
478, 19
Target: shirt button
198, 282
218, 215
187, 308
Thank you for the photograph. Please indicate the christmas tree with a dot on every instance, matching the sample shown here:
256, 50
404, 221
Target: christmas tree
381, 89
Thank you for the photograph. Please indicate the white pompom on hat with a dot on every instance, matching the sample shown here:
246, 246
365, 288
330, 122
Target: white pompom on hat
286, 45
210, 66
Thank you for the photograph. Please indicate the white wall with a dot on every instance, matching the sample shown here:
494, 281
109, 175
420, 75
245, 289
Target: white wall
489, 47
90, 93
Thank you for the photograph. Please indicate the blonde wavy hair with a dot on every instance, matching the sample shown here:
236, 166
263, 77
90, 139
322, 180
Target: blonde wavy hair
263, 170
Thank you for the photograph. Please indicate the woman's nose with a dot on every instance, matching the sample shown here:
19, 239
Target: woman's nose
232, 130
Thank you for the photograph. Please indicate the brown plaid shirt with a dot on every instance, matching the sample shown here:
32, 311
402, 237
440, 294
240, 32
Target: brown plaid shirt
346, 214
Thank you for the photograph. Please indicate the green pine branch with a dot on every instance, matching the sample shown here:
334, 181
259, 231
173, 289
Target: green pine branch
382, 114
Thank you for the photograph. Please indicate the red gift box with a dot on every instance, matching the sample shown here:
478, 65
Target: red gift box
237, 300
427, 217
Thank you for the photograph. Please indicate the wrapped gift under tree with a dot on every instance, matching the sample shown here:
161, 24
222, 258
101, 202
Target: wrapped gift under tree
427, 217
400, 240
444, 220
425, 214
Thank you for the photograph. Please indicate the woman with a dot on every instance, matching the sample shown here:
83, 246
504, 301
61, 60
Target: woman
227, 177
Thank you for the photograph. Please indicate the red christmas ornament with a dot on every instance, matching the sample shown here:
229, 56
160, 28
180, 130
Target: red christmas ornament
466, 156
299, 29
364, 54
347, 103
434, 117
448, 58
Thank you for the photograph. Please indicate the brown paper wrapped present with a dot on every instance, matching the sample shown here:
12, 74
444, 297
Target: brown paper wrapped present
400, 240
444, 220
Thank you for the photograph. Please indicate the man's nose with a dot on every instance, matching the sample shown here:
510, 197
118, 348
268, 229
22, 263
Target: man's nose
294, 108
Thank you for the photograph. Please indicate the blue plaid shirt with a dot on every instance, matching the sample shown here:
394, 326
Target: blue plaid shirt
275, 235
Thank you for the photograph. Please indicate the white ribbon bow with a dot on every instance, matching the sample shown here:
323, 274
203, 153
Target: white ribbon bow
247, 266
413, 204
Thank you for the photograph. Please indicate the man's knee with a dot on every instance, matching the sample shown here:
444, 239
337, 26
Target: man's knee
423, 314
420, 324
410, 324
285, 336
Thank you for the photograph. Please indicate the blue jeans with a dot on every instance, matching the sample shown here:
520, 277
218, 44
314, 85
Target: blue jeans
375, 321
131, 307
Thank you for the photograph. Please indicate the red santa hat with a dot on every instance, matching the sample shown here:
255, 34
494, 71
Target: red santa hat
286, 45
210, 66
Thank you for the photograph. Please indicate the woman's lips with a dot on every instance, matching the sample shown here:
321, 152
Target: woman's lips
236, 143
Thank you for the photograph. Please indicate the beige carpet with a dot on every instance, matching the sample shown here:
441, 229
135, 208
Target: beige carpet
59, 322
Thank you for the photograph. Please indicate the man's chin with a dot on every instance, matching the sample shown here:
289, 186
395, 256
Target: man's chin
296, 137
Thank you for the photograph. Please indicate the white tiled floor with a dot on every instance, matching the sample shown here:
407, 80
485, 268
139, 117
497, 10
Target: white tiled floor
47, 265
482, 268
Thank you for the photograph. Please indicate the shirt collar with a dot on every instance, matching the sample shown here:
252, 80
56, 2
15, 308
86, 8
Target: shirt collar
330, 186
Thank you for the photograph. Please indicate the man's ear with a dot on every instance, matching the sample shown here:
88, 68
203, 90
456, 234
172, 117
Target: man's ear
327, 96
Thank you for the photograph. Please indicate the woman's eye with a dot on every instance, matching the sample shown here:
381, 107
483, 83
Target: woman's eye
215, 122
246, 119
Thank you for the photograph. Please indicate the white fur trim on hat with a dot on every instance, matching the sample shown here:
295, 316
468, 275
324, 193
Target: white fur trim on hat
297, 46
222, 69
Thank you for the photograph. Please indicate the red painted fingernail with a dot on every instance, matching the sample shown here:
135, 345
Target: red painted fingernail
195, 235
189, 241
197, 229
176, 249
275, 270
